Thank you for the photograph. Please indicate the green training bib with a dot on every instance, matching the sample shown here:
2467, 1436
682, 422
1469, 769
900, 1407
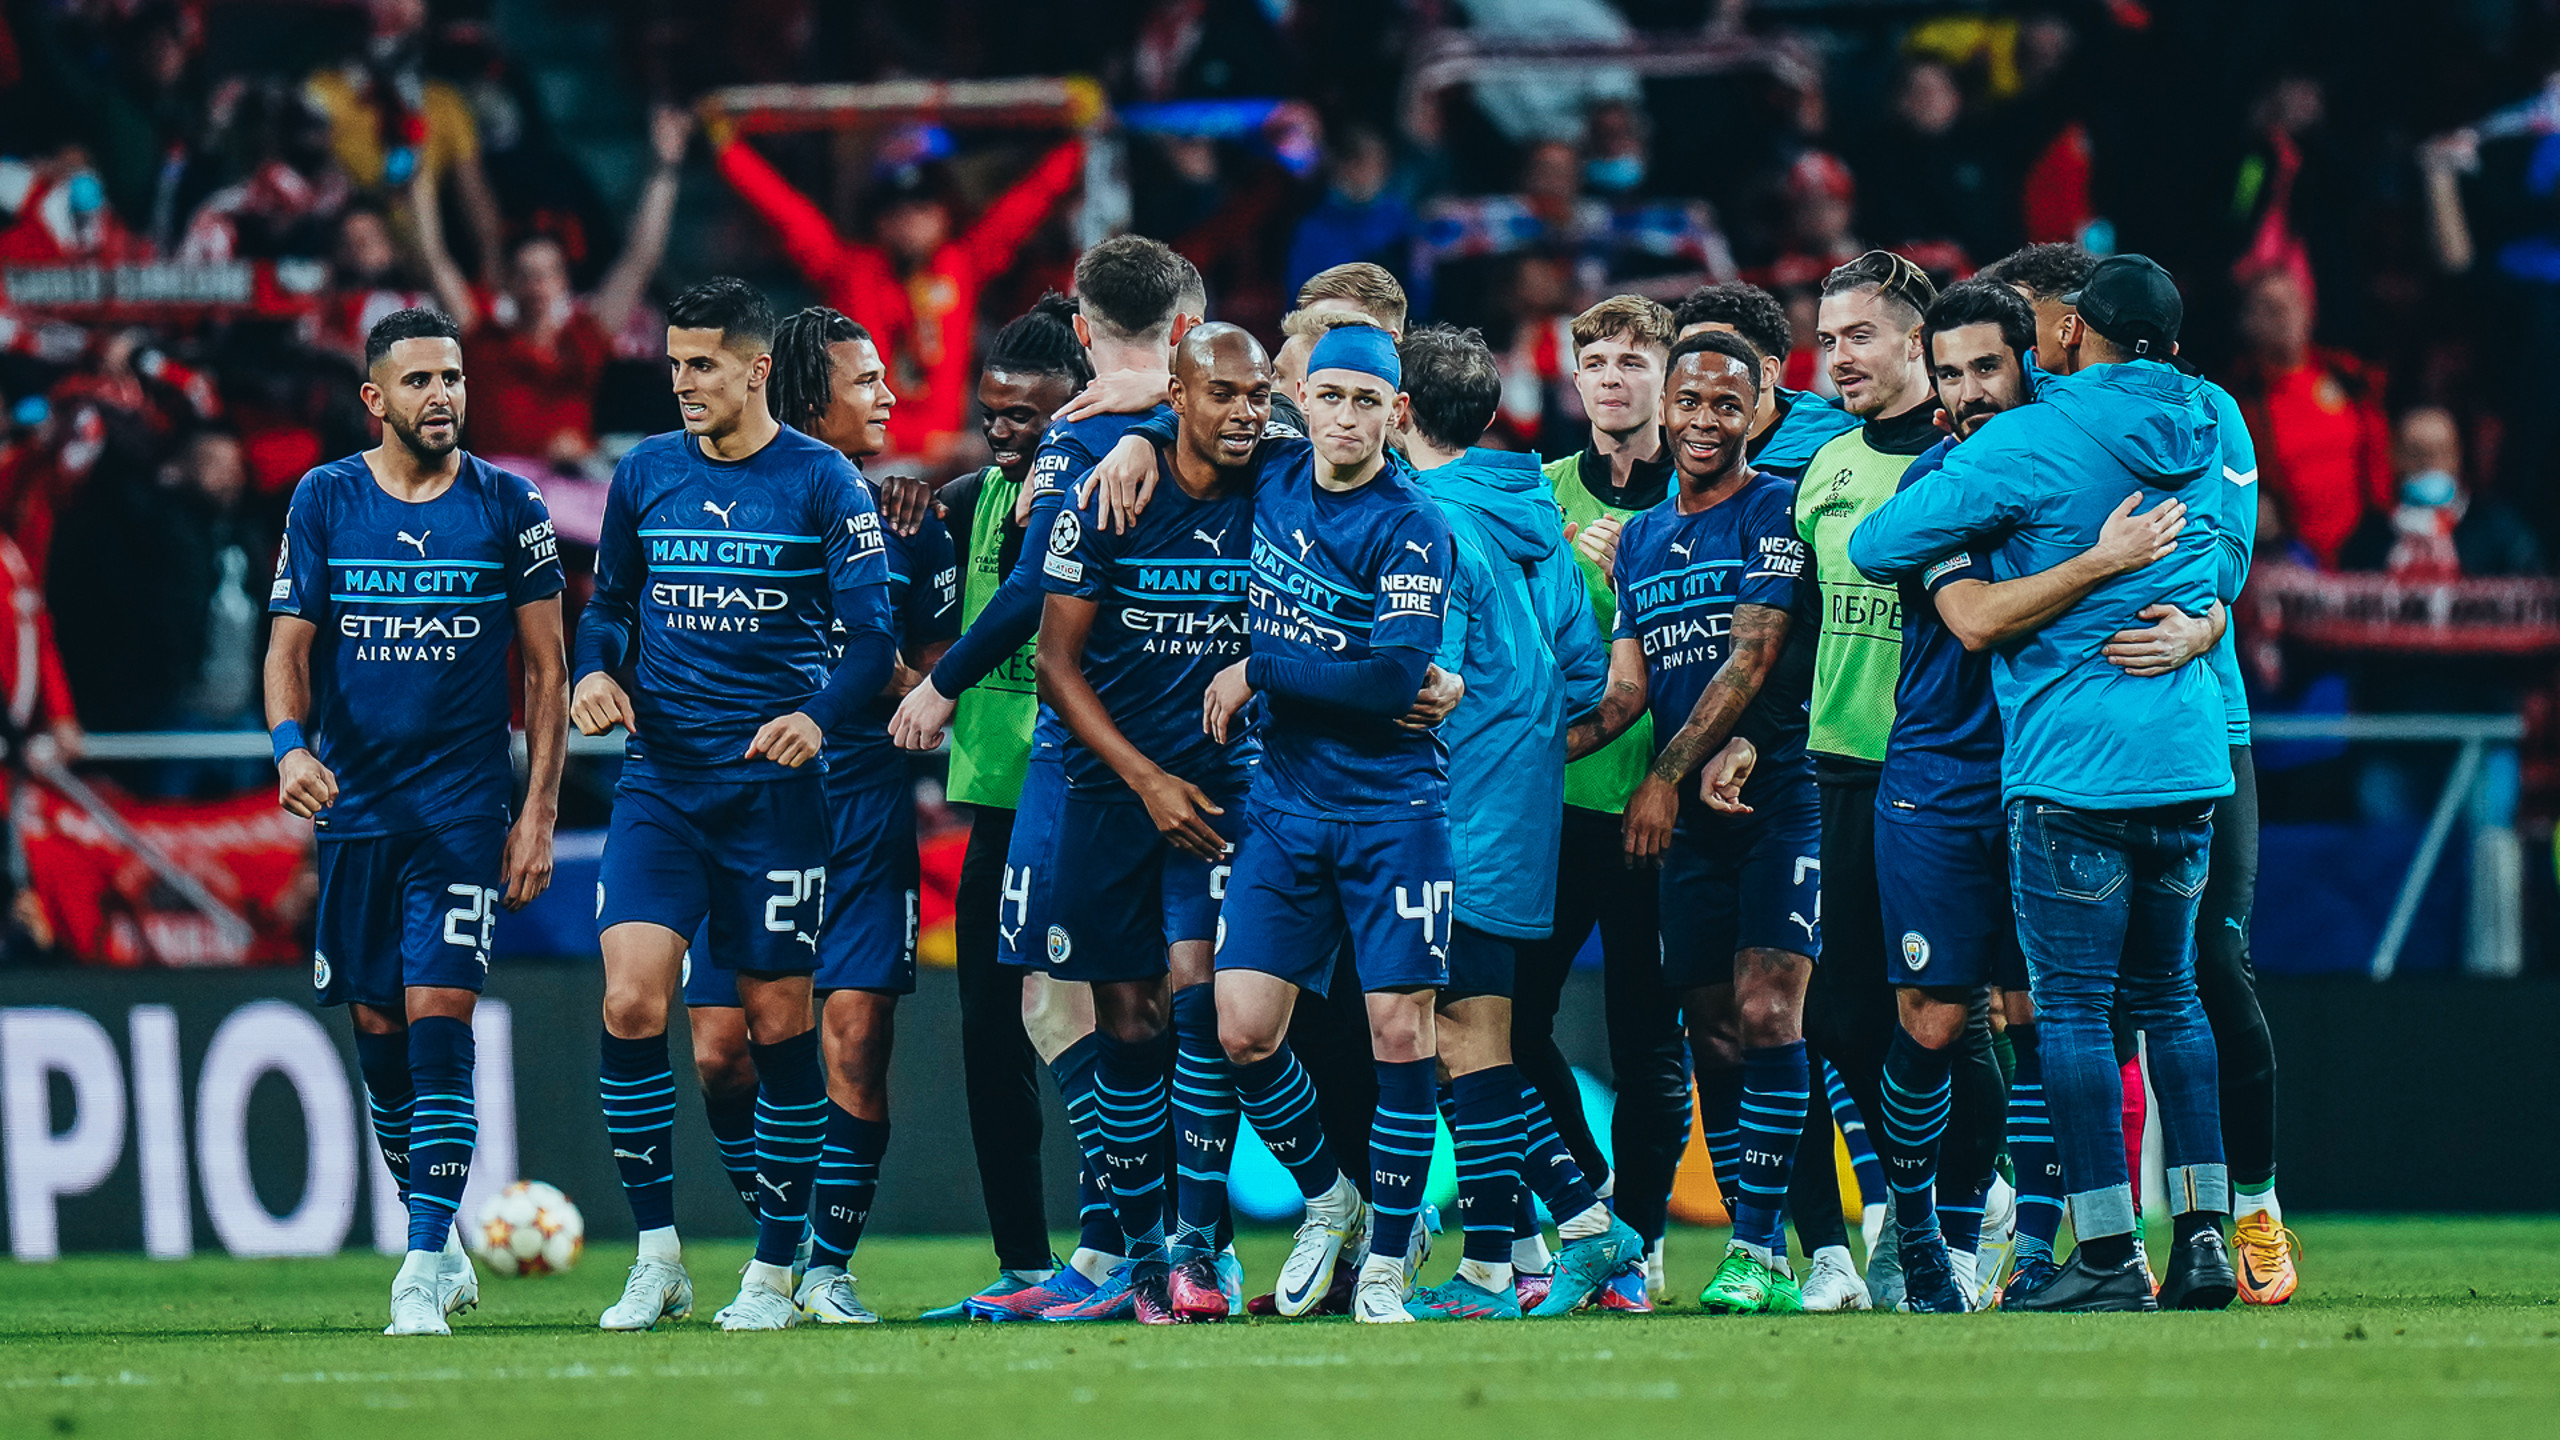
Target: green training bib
1603, 779
991, 723
1858, 661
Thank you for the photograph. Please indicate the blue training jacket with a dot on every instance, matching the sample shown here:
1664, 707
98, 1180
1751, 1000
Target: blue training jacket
2036, 484
1521, 633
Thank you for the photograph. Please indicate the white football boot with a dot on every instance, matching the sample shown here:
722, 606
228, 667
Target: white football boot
1333, 1221
1380, 1297
1999, 1241
762, 1304
460, 1282
417, 1303
1831, 1282
656, 1290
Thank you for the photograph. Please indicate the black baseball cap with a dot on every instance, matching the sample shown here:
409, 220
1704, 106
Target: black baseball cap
2132, 301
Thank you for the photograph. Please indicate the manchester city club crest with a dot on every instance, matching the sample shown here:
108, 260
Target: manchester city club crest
1060, 947
319, 971
1915, 950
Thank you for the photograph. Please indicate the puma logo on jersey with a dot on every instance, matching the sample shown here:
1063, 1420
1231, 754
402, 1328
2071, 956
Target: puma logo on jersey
418, 541
1682, 550
1418, 548
723, 512
781, 1192
805, 938
1304, 544
645, 1157
1212, 541
1807, 924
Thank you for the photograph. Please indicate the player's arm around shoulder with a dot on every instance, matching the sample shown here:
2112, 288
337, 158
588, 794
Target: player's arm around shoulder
1985, 485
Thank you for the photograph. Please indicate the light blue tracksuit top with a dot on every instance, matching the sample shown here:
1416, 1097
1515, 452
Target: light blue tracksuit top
2037, 483
1521, 634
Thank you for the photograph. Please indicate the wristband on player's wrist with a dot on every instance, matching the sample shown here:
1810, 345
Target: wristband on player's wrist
287, 738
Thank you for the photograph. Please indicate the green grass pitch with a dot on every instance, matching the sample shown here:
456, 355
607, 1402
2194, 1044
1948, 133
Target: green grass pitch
2429, 1327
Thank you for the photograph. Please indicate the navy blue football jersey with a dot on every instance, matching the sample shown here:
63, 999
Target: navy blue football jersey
1679, 578
717, 583
1067, 451
416, 605
1336, 578
1942, 763
924, 606
1169, 600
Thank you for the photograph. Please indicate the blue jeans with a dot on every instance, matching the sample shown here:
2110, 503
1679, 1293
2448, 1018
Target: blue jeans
2106, 903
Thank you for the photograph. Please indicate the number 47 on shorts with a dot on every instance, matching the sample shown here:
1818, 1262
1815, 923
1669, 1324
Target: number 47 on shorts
1438, 896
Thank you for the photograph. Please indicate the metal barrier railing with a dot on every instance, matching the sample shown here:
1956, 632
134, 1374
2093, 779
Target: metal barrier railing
2474, 734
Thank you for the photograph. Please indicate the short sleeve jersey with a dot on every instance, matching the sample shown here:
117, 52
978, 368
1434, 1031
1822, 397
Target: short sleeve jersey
1679, 579
1338, 577
729, 576
416, 605
1169, 614
1942, 764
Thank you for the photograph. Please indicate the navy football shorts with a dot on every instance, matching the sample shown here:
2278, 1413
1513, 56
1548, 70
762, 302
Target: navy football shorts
872, 878
1301, 883
749, 857
1123, 894
1948, 917
1022, 908
1479, 964
418, 908
1742, 882
704, 982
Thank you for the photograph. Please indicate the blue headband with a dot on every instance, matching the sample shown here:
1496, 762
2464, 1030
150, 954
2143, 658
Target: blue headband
1364, 348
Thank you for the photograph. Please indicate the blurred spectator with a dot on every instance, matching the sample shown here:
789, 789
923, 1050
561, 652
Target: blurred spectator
2316, 413
389, 124
157, 586
2263, 198
1934, 187
1360, 217
59, 213
1627, 242
541, 188
121, 78
33, 687
1540, 409
915, 285
535, 353
367, 280
1617, 149
1821, 201
2439, 530
1188, 49
2510, 213
292, 198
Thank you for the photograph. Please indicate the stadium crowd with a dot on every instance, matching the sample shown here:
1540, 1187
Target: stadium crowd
2348, 281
